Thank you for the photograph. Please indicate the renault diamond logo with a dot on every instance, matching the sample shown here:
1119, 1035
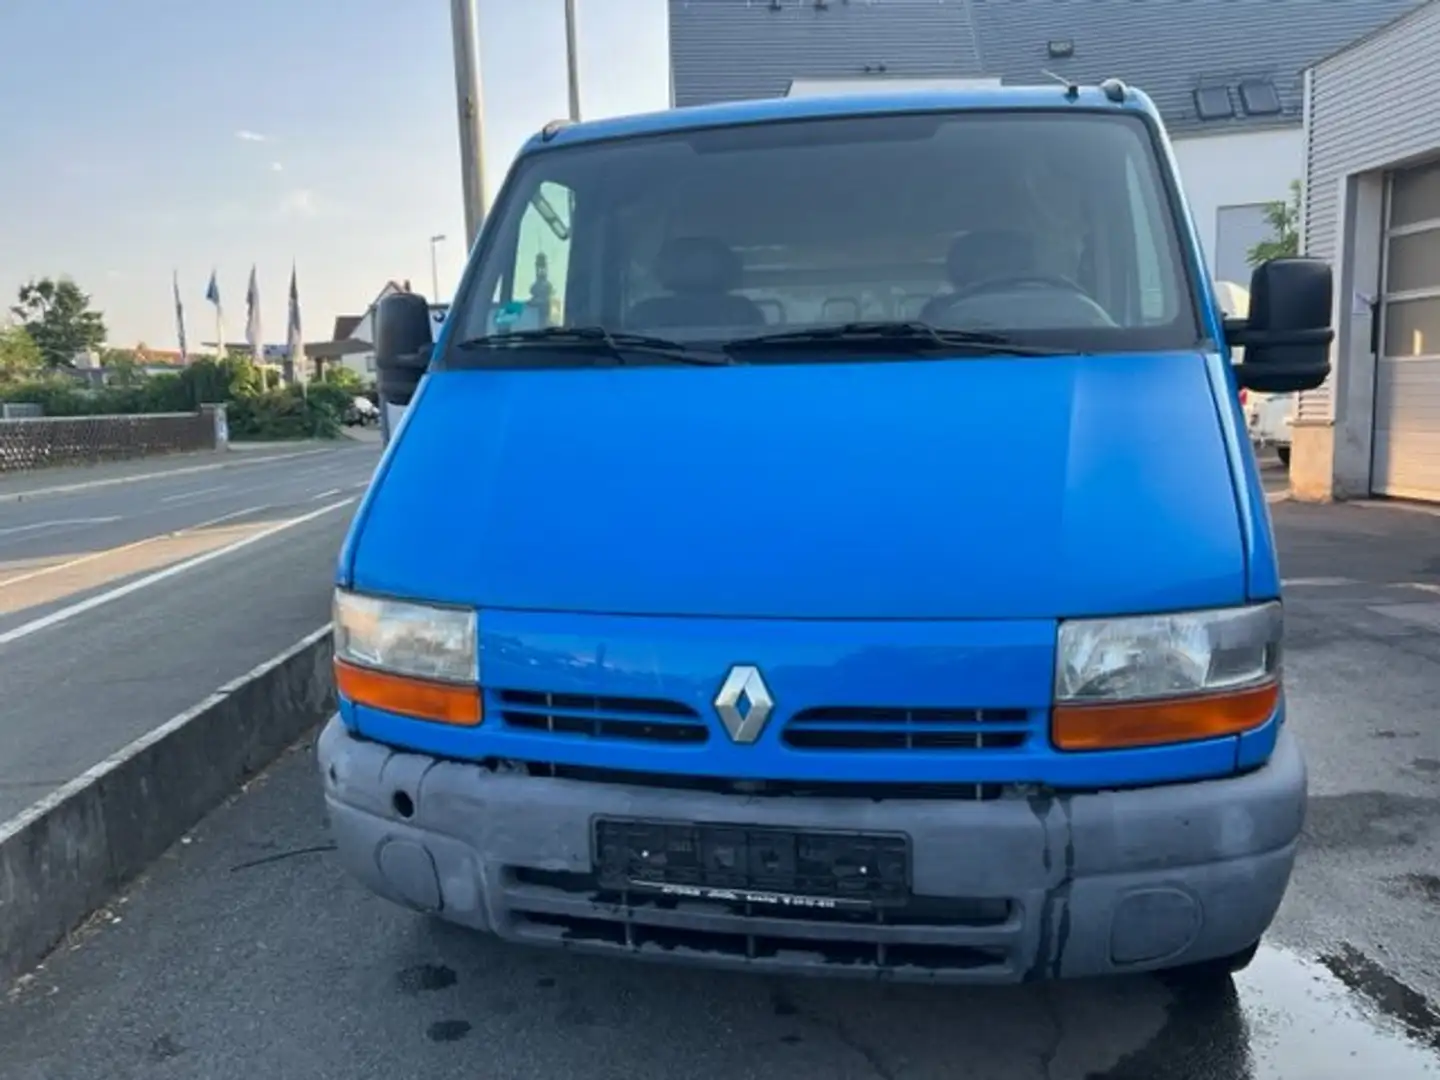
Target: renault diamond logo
744, 703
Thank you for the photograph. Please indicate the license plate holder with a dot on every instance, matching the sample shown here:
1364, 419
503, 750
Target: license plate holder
763, 866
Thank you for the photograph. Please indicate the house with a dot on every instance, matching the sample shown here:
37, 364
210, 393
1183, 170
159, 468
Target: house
1227, 77
1372, 209
353, 342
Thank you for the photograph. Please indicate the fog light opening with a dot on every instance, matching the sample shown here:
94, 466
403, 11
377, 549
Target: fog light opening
403, 804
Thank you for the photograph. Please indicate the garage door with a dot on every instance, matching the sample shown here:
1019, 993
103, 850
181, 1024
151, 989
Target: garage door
1407, 377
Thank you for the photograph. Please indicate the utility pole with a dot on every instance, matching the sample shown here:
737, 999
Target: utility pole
435, 268
572, 61
470, 107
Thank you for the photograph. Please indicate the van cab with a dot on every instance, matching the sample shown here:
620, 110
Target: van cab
823, 537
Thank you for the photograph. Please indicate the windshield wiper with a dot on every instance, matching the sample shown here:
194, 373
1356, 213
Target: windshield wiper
616, 344
911, 334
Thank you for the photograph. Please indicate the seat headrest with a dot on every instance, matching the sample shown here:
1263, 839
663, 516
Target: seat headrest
698, 265
990, 253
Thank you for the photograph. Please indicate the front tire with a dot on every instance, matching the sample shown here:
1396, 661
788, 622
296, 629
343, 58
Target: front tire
1212, 974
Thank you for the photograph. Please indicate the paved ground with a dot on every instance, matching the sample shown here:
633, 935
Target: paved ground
123, 603
247, 952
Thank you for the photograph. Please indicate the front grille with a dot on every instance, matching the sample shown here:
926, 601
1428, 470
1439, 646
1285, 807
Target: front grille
848, 728
586, 716
928, 934
724, 785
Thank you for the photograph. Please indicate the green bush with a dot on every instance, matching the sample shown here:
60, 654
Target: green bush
287, 413
254, 410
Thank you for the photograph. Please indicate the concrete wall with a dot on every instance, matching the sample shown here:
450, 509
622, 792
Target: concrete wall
38, 442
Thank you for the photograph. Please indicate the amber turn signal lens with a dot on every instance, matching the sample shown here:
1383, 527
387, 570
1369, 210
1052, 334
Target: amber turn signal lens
444, 703
1117, 726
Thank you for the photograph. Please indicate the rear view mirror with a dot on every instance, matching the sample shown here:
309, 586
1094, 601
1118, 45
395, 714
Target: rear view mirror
402, 345
1287, 334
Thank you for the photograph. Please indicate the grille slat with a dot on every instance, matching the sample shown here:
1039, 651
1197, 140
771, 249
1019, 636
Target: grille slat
934, 935
598, 717
908, 729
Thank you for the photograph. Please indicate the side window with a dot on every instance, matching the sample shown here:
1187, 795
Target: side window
1155, 305
532, 294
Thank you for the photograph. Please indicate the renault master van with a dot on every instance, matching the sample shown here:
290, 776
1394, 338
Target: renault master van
824, 538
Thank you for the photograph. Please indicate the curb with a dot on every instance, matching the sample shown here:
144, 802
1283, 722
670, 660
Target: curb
69, 853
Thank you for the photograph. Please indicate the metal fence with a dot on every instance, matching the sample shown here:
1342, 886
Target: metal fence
36, 442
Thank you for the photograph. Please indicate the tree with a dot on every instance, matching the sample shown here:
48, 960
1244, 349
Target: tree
59, 319
124, 367
1284, 221
19, 355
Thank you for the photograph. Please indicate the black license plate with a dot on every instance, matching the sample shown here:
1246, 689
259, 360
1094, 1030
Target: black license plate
779, 867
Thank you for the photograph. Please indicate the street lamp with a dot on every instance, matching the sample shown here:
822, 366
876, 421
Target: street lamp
434, 267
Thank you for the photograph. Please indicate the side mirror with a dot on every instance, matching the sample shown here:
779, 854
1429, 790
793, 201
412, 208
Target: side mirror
1287, 335
402, 345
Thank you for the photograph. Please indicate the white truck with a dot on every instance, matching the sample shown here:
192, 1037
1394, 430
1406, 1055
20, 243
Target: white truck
1267, 416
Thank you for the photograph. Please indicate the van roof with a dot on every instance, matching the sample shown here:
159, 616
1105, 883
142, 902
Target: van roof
807, 108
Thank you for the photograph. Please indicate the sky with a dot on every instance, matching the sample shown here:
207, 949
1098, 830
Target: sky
145, 137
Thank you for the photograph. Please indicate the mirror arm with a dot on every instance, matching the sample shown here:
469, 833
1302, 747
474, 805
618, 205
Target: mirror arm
1239, 333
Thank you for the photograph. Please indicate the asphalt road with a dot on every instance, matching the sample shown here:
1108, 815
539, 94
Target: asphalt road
124, 603
247, 952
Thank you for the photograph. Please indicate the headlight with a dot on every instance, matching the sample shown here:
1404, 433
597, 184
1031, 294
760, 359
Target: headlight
1146, 680
414, 659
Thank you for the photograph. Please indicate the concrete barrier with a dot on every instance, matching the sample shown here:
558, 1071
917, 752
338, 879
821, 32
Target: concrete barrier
68, 854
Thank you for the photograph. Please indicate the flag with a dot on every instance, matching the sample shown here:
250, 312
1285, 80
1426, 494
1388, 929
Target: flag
212, 293
253, 336
293, 338
179, 318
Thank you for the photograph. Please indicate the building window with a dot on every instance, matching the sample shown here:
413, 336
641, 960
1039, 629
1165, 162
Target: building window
1259, 97
1213, 103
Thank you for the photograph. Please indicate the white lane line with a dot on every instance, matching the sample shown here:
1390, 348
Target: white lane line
60, 524
62, 489
91, 603
192, 494
1317, 582
54, 568
325, 495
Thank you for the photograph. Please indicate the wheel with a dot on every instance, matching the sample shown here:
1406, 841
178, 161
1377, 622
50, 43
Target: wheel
1283, 453
1211, 974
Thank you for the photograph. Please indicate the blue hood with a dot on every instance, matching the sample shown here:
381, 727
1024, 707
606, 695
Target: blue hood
985, 489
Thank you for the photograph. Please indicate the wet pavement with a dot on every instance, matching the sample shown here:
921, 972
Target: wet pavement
247, 952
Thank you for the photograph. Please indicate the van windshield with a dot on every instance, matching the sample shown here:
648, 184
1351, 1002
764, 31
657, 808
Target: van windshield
1043, 228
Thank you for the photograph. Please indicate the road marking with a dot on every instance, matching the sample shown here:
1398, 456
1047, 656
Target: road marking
57, 524
90, 603
1317, 582
54, 568
325, 495
192, 494
61, 489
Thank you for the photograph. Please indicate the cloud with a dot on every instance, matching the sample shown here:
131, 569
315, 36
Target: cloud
276, 166
245, 135
298, 203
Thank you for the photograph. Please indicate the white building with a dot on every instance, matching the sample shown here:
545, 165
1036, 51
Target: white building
1372, 181
1227, 77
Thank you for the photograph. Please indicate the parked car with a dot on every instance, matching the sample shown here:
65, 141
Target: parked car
362, 411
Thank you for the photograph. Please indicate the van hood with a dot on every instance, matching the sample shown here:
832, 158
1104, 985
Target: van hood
968, 489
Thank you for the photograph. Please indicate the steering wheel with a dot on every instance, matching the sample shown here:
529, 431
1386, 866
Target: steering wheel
948, 300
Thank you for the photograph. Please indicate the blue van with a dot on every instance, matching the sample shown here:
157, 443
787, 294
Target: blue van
823, 538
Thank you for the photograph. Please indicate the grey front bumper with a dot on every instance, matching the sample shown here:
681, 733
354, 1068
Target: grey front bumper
1053, 886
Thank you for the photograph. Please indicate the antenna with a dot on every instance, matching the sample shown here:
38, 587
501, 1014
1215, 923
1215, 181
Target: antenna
1072, 91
